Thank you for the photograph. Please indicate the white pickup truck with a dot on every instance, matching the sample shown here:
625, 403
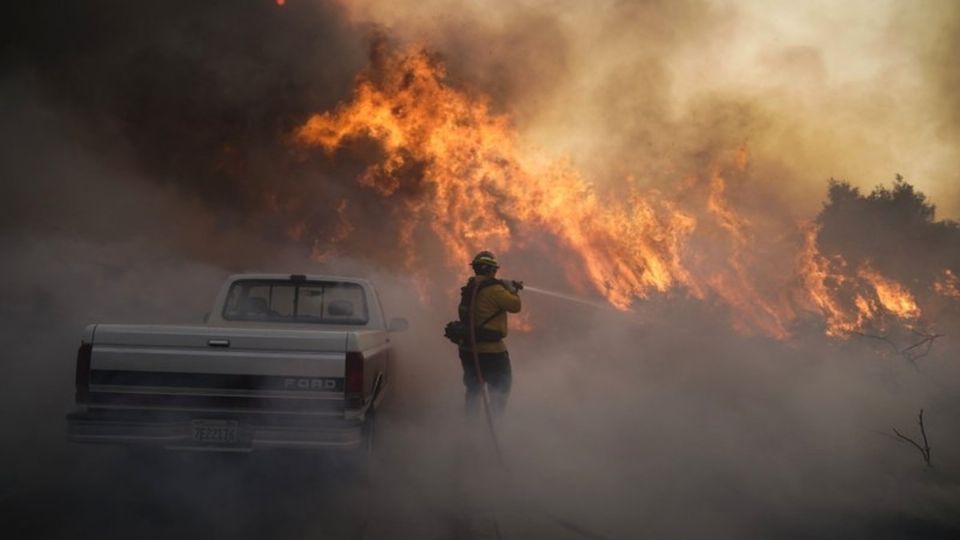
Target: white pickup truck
283, 361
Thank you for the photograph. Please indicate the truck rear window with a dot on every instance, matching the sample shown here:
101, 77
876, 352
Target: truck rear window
296, 302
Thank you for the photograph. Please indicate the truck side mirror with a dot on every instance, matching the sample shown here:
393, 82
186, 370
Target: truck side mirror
398, 324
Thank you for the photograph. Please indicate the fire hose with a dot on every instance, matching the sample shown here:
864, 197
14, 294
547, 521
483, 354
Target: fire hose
476, 355
476, 365
565, 523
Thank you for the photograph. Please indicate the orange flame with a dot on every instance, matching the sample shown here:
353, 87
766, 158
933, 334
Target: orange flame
894, 297
751, 309
822, 283
828, 282
485, 188
483, 185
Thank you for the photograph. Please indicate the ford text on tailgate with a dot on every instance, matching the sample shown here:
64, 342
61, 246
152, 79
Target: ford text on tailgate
283, 361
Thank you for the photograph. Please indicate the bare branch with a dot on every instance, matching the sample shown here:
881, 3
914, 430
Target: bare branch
926, 445
908, 439
911, 353
926, 343
925, 449
884, 339
886, 434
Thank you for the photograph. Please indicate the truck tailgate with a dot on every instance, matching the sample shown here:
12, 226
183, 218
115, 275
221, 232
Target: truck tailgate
208, 369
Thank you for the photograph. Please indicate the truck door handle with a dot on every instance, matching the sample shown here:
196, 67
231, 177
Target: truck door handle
218, 342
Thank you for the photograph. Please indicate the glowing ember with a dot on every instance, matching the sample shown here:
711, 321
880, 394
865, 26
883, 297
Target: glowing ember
948, 285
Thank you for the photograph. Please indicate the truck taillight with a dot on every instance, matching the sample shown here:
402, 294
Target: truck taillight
353, 387
83, 372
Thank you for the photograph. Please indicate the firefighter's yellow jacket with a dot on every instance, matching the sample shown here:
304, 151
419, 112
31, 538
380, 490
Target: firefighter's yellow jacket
489, 301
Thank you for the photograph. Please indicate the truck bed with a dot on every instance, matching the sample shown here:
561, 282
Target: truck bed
220, 388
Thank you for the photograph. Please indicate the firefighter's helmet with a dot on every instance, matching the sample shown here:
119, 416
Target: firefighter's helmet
484, 262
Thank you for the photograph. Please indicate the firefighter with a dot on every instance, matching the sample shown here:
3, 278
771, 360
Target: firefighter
492, 301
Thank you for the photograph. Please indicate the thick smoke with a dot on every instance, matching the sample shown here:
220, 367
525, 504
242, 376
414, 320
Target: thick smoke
196, 97
146, 156
649, 89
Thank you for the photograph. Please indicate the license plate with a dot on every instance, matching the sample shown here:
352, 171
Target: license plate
215, 431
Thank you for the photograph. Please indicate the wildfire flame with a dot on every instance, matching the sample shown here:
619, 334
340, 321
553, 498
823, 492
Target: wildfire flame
893, 296
948, 285
822, 282
482, 183
483, 188
828, 282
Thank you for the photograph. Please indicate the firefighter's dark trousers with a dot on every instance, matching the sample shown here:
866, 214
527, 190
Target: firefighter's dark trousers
495, 368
